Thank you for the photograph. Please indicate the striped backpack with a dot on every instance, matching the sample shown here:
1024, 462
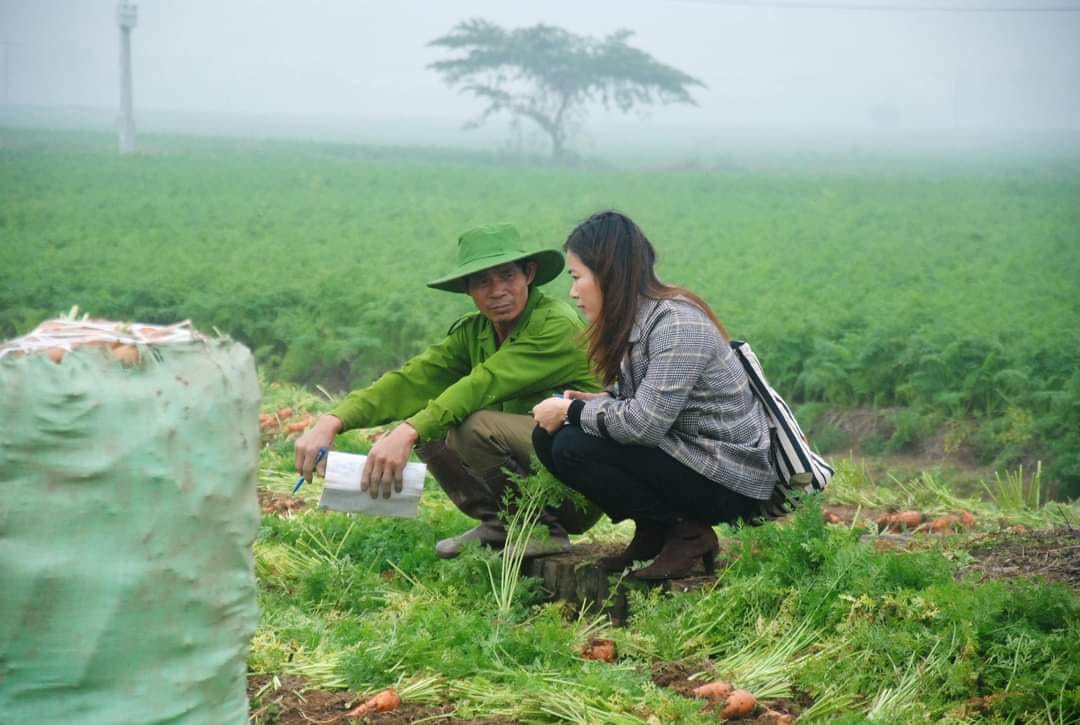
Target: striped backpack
800, 469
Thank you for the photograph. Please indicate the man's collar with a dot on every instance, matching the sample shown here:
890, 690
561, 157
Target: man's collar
535, 295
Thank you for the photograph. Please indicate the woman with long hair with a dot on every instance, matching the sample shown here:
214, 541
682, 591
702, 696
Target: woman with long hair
678, 442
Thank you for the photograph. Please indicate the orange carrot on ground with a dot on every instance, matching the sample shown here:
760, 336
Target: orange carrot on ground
714, 691
740, 703
599, 649
385, 701
284, 413
298, 426
901, 520
779, 718
943, 524
908, 519
967, 519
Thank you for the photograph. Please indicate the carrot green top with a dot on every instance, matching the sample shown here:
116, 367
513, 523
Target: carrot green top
466, 372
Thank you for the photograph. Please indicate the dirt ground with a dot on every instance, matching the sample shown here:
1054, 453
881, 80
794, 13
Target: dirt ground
294, 704
1051, 554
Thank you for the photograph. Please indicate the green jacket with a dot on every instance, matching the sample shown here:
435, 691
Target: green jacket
442, 386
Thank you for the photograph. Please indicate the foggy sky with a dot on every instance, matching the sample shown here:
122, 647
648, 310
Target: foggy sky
366, 60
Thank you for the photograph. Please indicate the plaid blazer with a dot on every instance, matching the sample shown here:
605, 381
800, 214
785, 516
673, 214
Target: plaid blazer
681, 389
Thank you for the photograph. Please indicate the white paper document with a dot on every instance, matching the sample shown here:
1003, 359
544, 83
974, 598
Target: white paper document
341, 489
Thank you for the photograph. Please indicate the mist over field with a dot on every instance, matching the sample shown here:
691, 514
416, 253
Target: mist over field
775, 76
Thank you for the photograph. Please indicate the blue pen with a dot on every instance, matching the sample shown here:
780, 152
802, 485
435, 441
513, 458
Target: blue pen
318, 460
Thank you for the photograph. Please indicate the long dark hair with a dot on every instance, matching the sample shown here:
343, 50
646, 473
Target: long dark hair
622, 260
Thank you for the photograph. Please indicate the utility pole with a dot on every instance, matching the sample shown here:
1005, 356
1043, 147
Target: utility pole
127, 15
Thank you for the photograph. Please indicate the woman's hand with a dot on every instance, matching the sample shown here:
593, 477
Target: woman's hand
550, 414
578, 395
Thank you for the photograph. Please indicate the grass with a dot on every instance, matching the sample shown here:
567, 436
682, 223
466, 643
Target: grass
1014, 492
525, 510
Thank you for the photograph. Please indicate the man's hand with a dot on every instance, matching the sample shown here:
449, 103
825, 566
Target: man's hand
320, 435
386, 461
550, 414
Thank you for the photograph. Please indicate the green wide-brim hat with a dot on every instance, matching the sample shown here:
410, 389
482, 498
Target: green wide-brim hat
494, 244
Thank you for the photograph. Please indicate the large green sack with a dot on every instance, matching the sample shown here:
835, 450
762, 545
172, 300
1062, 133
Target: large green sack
128, 512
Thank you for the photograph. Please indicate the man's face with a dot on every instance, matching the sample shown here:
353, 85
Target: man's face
500, 293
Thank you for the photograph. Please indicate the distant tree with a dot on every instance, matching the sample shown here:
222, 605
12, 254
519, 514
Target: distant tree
549, 75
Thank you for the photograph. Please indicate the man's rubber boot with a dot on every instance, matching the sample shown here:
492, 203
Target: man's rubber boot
470, 494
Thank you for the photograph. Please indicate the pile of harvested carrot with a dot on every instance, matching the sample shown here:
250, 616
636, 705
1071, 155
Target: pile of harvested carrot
736, 703
282, 505
121, 340
916, 521
126, 355
277, 422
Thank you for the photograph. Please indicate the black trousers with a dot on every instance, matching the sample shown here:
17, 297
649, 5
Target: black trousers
635, 482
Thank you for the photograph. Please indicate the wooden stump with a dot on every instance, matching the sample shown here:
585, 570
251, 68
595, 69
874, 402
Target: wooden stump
574, 577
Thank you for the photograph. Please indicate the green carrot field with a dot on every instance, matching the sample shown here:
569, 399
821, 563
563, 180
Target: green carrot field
949, 301
944, 305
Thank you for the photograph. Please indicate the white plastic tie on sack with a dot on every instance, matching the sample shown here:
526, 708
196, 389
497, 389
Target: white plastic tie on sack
69, 334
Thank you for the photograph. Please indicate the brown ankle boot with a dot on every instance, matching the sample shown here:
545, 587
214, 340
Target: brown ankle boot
647, 542
686, 543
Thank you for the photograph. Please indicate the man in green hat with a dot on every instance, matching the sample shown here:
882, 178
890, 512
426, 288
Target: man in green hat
466, 401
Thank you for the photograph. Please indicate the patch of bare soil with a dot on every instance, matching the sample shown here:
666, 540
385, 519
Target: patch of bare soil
293, 704
676, 675
296, 704
1051, 554
278, 503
